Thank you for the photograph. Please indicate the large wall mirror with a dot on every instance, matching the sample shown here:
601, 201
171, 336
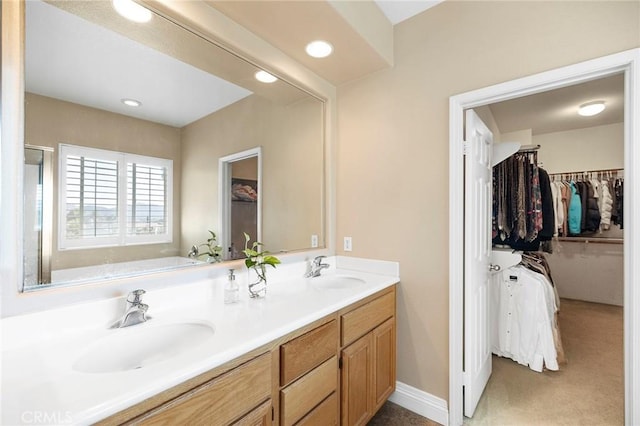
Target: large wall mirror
137, 116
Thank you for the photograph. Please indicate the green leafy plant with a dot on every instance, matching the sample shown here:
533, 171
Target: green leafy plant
213, 250
258, 259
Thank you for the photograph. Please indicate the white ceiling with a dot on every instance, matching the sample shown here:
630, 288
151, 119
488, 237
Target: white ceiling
397, 11
557, 110
101, 67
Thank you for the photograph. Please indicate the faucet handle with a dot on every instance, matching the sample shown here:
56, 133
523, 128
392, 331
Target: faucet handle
318, 260
136, 295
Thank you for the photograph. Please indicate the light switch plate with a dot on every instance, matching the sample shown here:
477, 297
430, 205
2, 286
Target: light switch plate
314, 241
347, 244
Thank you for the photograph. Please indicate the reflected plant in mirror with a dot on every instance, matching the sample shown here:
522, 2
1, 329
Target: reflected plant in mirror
210, 106
212, 252
257, 261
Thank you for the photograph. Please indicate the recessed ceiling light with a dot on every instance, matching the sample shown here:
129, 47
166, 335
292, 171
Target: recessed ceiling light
265, 77
131, 102
591, 108
319, 49
132, 11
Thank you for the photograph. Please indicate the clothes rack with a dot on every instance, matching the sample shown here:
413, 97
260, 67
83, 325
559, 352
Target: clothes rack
615, 177
600, 173
529, 148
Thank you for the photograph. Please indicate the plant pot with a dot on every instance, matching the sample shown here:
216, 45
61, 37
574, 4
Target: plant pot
257, 282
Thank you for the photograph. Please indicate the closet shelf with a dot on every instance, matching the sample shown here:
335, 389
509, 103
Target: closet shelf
592, 240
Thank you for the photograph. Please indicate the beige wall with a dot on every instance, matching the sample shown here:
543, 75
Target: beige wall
393, 148
592, 148
586, 271
524, 137
292, 168
49, 122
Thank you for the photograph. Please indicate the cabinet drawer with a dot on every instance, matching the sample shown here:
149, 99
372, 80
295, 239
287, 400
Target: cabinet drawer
303, 395
217, 402
304, 353
361, 320
261, 416
325, 414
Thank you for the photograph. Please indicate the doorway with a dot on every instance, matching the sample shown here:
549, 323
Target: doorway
240, 188
626, 62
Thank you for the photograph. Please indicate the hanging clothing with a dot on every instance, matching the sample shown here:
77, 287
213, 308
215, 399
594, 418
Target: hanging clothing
522, 202
575, 210
619, 191
522, 323
606, 205
547, 210
592, 220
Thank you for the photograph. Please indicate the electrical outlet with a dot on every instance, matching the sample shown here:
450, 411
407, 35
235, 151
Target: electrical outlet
347, 244
314, 241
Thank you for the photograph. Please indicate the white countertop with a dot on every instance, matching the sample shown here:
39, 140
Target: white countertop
38, 379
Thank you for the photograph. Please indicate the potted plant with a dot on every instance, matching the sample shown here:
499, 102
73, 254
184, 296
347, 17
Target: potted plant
257, 260
213, 251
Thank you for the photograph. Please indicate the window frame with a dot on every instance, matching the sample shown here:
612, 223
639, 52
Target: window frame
122, 238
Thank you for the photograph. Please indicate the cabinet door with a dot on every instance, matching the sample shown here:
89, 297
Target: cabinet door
357, 401
384, 362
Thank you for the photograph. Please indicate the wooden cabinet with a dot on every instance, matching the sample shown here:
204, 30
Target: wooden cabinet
337, 370
357, 378
303, 353
222, 400
309, 376
261, 416
384, 362
368, 364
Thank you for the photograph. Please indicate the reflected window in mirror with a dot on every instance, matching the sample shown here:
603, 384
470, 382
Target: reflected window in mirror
110, 198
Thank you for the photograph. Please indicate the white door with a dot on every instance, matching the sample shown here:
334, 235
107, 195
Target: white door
477, 253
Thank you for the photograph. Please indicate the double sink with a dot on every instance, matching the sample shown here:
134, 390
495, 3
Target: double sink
142, 345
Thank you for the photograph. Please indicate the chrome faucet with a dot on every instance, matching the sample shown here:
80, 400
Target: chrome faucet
193, 253
316, 267
136, 310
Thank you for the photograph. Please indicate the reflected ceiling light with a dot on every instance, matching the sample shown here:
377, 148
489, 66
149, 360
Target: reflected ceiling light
131, 102
265, 77
132, 11
319, 49
591, 108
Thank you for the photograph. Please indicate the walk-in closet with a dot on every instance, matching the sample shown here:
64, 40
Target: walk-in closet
557, 283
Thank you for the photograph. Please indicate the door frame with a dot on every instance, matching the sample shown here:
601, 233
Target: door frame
627, 62
224, 196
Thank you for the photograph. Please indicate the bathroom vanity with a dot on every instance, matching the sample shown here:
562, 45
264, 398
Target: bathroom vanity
313, 351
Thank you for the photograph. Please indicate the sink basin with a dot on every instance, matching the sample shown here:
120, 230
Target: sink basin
336, 282
141, 345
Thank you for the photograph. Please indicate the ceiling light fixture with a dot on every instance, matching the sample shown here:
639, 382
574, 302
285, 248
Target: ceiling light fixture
319, 49
131, 102
265, 77
132, 10
591, 108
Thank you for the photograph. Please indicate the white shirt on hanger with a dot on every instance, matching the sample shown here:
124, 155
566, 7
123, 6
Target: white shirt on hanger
522, 318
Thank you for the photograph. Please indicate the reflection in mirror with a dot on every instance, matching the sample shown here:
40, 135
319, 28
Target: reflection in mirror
38, 190
240, 202
196, 104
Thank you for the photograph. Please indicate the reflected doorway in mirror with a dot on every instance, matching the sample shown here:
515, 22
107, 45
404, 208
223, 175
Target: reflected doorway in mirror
240, 200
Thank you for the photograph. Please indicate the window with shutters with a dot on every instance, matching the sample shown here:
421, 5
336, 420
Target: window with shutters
110, 198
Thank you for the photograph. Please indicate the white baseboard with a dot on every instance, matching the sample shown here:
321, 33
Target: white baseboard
421, 402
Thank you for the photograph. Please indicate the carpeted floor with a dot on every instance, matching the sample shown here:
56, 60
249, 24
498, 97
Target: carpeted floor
588, 389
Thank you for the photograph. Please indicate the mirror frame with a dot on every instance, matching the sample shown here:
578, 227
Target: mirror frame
200, 19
